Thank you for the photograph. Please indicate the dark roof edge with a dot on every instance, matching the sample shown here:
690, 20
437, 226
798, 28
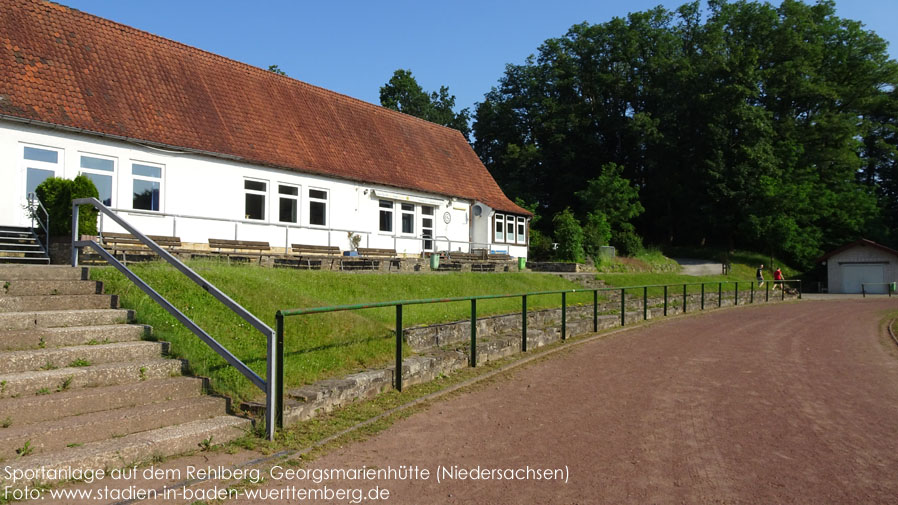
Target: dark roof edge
861, 242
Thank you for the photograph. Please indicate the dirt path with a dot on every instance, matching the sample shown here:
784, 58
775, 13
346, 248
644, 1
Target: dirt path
794, 403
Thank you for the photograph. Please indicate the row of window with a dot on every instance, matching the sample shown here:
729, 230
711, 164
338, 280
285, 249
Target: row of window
509, 229
256, 193
146, 178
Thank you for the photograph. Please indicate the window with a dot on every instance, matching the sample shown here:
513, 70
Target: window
386, 215
408, 218
101, 172
288, 207
509, 229
40, 165
522, 227
255, 193
427, 226
147, 186
499, 228
317, 207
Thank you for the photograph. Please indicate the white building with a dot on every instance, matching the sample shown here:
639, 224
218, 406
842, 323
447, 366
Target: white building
863, 262
190, 144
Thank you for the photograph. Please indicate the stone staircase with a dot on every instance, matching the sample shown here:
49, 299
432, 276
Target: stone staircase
81, 388
20, 245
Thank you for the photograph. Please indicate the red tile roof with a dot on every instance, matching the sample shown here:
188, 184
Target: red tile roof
858, 243
64, 67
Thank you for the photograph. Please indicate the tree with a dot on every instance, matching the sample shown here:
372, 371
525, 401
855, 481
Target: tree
403, 93
569, 235
276, 69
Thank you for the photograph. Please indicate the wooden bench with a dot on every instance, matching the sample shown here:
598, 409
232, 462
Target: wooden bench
310, 256
369, 258
124, 244
370, 252
239, 249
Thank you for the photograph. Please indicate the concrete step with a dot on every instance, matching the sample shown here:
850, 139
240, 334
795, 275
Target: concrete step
80, 356
25, 260
64, 379
61, 433
59, 318
33, 409
7, 244
22, 287
57, 302
138, 447
46, 338
42, 272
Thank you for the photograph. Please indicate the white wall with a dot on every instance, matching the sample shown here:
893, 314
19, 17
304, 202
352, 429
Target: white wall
204, 186
860, 255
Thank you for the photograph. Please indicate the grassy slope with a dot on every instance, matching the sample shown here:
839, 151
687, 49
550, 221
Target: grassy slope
316, 346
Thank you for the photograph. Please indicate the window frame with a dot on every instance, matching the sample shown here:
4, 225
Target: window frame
258, 192
497, 229
297, 201
57, 168
113, 190
382, 209
403, 212
148, 178
311, 200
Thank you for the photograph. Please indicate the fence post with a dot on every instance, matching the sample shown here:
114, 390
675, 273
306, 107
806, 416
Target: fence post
398, 381
623, 307
782, 291
665, 299
766, 292
736, 300
563, 315
719, 295
752, 286
645, 303
279, 374
684, 298
703, 296
524, 323
863, 291
473, 332
799, 289
595, 310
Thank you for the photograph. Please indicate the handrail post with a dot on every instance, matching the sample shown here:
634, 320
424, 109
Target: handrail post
523, 323
665, 299
645, 303
595, 310
782, 291
75, 233
563, 315
703, 296
398, 372
752, 286
279, 374
473, 332
863, 291
719, 295
736, 299
271, 388
684, 297
766, 292
799, 289
623, 307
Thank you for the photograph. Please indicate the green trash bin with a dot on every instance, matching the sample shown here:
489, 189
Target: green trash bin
522, 263
434, 261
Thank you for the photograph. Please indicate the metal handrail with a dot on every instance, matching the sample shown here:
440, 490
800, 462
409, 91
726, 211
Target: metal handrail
398, 304
269, 386
32, 211
889, 287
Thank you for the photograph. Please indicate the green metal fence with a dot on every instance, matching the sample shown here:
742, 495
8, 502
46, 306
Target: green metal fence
281, 315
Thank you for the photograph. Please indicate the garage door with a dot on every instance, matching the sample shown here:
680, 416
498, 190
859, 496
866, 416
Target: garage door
854, 275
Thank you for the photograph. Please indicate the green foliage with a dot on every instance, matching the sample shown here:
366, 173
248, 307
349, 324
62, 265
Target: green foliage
749, 125
626, 241
276, 69
57, 194
403, 93
569, 235
596, 233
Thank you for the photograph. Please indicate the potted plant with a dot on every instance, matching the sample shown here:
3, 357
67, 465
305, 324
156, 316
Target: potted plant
354, 240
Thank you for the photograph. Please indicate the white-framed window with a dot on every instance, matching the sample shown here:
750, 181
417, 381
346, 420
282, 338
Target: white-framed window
255, 192
407, 215
509, 229
427, 226
288, 203
499, 228
101, 171
386, 216
146, 185
522, 230
318, 207
40, 163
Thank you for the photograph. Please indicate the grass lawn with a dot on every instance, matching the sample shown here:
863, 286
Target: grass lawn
316, 346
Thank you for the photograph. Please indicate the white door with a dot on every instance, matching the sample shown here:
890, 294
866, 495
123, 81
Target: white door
854, 275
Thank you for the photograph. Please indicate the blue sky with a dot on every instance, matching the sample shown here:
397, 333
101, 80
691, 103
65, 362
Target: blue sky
353, 47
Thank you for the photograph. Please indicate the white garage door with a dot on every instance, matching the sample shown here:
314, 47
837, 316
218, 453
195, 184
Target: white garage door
854, 275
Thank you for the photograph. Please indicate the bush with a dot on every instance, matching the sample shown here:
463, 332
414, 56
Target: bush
569, 235
627, 241
596, 233
57, 194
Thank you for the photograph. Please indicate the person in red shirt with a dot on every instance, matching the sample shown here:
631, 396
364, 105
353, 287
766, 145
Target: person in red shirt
777, 279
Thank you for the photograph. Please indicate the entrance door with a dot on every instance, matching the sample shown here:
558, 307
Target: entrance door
854, 275
427, 227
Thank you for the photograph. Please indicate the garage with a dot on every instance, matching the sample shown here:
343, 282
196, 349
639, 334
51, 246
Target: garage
861, 263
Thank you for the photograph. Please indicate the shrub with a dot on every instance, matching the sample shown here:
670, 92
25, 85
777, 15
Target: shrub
627, 241
596, 233
569, 235
57, 194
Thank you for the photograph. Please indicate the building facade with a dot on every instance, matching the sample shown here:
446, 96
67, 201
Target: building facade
861, 263
186, 143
